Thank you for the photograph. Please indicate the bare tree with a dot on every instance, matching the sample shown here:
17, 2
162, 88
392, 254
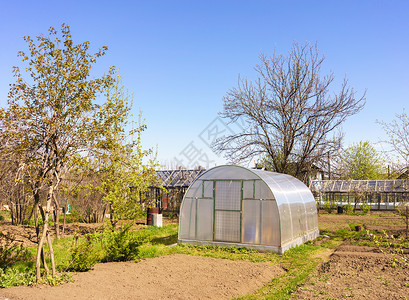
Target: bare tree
290, 114
16, 193
398, 133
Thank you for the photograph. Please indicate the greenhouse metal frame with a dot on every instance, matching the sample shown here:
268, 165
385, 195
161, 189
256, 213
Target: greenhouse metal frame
378, 194
236, 206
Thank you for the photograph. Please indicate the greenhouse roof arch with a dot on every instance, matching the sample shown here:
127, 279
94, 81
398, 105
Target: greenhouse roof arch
236, 206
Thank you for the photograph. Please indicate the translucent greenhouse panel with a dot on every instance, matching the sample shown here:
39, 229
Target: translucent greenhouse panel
302, 218
270, 227
227, 226
310, 205
262, 191
308, 215
251, 221
295, 215
228, 195
285, 222
228, 172
208, 189
312, 215
248, 189
291, 191
204, 228
195, 190
187, 219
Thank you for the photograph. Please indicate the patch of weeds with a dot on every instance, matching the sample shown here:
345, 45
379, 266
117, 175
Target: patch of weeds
166, 240
389, 245
386, 282
158, 235
58, 279
353, 226
15, 277
150, 251
10, 251
231, 253
348, 295
300, 264
324, 278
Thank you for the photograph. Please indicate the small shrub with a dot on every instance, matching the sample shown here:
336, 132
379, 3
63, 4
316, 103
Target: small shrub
121, 245
329, 206
83, 255
365, 208
348, 209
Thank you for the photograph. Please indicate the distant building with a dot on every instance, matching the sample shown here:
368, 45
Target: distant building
175, 184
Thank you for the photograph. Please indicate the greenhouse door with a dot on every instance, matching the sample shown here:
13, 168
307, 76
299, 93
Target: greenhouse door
227, 211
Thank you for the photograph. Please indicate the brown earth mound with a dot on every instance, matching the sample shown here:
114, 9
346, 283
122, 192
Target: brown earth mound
167, 277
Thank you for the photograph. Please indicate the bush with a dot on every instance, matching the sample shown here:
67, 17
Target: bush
83, 254
329, 206
348, 209
365, 208
121, 245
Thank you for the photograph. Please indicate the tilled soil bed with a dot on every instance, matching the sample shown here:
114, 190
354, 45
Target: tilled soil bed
357, 272
168, 277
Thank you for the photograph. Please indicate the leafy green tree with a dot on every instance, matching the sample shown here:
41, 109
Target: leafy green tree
362, 162
122, 170
52, 116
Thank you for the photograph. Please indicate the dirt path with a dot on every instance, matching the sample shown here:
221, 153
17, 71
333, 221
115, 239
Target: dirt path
167, 277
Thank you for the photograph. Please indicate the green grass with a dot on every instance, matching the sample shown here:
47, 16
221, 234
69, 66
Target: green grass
300, 262
153, 239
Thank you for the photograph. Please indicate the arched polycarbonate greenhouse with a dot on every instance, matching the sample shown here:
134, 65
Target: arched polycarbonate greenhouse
236, 206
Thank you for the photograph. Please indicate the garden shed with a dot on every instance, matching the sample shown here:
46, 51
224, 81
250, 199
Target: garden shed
236, 206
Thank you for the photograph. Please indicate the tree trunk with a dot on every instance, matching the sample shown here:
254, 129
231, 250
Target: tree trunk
57, 217
50, 246
44, 235
36, 208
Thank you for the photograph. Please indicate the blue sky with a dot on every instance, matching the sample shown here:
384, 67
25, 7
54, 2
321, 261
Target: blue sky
179, 58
